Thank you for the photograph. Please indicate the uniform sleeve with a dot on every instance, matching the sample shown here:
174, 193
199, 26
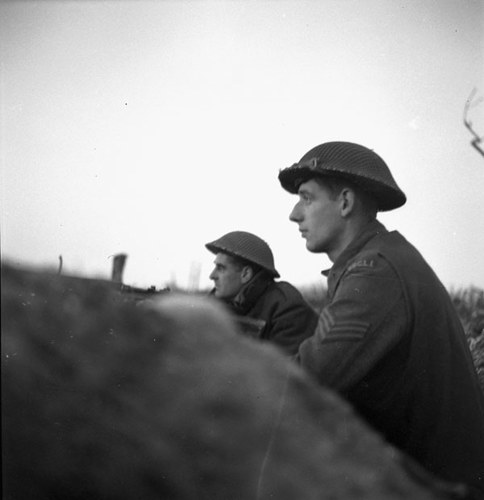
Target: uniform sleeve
291, 322
365, 320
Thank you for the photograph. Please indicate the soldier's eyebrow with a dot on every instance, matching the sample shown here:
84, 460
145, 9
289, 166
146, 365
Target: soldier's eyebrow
304, 191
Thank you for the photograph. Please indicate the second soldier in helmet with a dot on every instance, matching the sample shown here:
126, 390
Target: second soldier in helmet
244, 278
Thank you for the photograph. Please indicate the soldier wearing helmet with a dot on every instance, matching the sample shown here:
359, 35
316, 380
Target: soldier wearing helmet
389, 340
244, 279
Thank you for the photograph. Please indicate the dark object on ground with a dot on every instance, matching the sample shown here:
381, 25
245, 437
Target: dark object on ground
105, 399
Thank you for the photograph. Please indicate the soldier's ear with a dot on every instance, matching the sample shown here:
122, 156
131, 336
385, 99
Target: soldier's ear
247, 274
347, 199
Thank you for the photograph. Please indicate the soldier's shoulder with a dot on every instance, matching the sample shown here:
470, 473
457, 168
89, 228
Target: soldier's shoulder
369, 261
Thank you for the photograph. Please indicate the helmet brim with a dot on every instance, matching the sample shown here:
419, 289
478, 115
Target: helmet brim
215, 249
387, 197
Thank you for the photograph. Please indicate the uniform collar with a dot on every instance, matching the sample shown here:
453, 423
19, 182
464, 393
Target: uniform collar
366, 234
250, 293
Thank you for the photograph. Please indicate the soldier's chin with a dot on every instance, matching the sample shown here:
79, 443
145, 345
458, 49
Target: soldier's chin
312, 248
309, 246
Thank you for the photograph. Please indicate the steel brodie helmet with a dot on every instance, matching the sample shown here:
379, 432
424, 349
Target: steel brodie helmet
346, 160
247, 246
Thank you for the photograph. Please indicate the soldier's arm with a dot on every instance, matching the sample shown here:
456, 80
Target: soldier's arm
366, 319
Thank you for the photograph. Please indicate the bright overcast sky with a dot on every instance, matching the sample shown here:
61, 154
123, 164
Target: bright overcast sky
151, 128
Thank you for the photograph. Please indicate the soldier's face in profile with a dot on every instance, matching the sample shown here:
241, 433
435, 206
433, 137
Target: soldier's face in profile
318, 216
226, 276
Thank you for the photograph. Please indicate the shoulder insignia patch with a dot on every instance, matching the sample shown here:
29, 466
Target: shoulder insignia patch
362, 263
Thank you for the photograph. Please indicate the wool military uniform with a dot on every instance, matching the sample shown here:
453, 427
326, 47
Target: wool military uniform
274, 311
391, 342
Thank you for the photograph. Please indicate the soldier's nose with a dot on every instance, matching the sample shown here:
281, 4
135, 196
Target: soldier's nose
295, 215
